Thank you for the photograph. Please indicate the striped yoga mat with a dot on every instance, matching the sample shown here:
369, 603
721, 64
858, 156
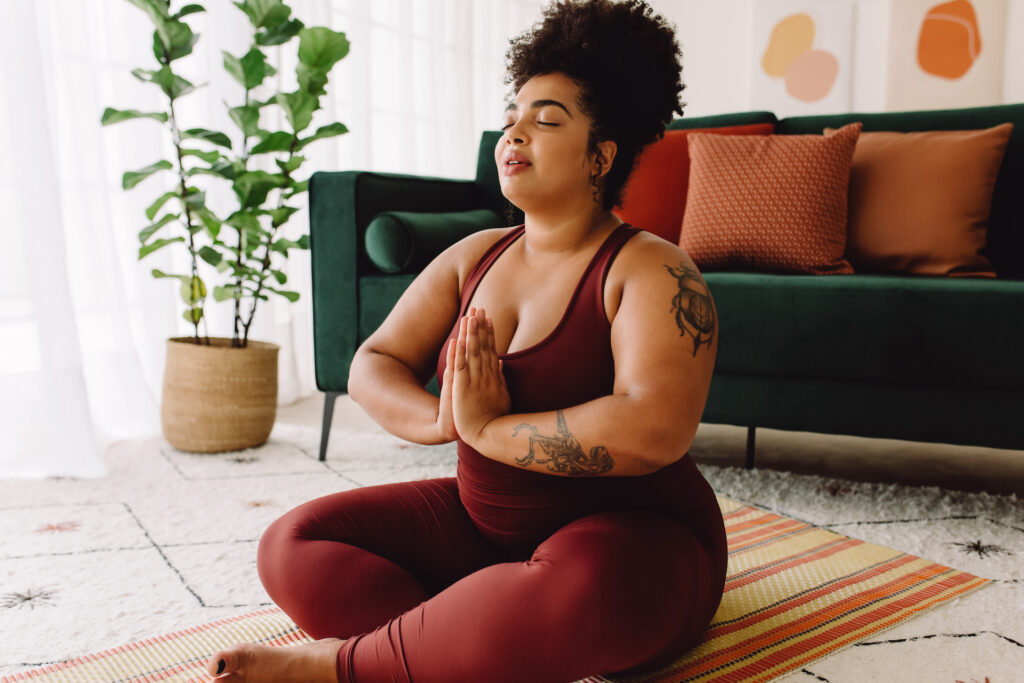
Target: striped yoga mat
794, 593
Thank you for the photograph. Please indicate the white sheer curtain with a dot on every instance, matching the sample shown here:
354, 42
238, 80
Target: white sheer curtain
82, 323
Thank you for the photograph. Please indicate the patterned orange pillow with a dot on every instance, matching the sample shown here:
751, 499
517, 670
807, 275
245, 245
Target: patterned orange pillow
769, 203
655, 196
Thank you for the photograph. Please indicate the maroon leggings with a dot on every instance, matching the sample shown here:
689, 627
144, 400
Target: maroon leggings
402, 573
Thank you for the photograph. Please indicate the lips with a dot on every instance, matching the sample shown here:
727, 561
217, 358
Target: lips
513, 162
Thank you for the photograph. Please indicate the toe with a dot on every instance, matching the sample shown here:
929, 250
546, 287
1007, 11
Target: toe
222, 662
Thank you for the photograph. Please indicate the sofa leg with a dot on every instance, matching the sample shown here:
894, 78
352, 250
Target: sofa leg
325, 432
750, 447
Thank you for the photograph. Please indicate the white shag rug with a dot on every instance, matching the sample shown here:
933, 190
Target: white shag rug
168, 541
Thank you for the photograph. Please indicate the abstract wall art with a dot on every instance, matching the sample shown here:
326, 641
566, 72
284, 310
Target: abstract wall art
801, 61
945, 54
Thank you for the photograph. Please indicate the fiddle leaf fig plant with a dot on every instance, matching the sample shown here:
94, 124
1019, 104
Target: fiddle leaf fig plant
245, 246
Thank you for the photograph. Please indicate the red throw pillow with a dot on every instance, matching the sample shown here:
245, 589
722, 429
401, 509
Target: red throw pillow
769, 203
655, 196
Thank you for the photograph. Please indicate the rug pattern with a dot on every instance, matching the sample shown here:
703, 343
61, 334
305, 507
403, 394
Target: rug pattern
88, 563
794, 593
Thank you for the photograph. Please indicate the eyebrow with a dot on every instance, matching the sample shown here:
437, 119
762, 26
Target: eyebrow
537, 104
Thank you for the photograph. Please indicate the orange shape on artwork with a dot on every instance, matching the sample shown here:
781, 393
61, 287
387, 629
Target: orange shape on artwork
811, 76
949, 42
791, 37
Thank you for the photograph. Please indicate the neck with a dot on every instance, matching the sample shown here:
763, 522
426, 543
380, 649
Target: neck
562, 235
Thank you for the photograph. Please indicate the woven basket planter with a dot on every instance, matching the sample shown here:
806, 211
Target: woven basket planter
218, 398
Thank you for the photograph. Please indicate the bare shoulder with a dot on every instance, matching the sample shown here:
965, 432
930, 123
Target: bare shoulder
465, 253
652, 273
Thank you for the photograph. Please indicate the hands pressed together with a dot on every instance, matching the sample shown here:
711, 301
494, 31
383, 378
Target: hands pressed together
473, 389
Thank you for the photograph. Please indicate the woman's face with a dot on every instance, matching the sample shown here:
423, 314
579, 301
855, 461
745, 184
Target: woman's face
542, 158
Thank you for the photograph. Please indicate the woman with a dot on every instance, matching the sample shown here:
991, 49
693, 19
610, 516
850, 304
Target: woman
574, 354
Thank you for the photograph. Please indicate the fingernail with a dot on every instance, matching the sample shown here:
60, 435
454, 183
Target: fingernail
220, 666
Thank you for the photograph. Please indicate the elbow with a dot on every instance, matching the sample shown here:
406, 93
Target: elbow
665, 443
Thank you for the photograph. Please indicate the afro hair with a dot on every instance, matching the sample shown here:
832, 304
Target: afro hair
625, 60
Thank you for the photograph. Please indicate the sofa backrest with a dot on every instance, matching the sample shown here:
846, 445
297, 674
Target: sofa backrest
1005, 247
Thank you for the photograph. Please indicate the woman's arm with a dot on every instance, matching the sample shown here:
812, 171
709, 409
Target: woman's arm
664, 342
391, 368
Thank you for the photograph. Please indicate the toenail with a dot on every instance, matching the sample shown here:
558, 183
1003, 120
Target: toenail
220, 666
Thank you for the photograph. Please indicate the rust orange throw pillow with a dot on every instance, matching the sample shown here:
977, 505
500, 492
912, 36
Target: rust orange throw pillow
769, 203
655, 196
920, 202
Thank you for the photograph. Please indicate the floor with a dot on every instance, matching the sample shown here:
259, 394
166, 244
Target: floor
965, 468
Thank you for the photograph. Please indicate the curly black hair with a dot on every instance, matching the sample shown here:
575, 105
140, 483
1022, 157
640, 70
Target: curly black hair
625, 60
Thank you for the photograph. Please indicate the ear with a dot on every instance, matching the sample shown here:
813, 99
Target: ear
605, 156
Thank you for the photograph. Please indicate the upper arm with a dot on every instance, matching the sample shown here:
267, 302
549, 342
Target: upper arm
665, 337
424, 315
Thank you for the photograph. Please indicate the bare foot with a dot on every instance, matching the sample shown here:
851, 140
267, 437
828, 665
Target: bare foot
309, 663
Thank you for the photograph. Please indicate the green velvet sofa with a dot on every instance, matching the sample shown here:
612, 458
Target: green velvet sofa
928, 359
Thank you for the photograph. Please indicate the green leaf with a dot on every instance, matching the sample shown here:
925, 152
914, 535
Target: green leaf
193, 315
173, 85
328, 131
321, 48
279, 276
186, 10
161, 200
263, 13
111, 115
193, 290
195, 198
210, 255
222, 169
280, 34
251, 70
252, 187
282, 245
247, 118
279, 141
298, 108
155, 9
291, 165
161, 274
132, 178
212, 136
210, 221
148, 249
209, 157
173, 40
291, 296
148, 231
280, 216
224, 293
297, 188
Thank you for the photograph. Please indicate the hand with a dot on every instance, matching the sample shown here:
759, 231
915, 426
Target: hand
445, 423
479, 393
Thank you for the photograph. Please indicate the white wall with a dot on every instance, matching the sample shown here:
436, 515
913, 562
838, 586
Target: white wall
715, 36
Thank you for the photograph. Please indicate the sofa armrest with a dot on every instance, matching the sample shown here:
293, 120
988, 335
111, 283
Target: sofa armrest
341, 205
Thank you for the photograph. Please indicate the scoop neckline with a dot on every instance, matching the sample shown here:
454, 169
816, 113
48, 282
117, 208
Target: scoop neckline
572, 300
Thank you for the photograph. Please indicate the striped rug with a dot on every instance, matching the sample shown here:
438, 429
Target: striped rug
794, 593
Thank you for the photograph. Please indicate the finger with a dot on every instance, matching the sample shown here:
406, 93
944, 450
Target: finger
460, 347
473, 348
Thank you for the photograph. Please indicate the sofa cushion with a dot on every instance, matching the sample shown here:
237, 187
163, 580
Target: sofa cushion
1004, 246
920, 202
870, 327
769, 203
406, 241
655, 196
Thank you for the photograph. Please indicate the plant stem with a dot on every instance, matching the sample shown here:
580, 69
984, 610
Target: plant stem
176, 138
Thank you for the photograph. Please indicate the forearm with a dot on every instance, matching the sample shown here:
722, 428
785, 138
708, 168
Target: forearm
610, 436
391, 394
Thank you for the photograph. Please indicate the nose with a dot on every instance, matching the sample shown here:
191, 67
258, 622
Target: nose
514, 134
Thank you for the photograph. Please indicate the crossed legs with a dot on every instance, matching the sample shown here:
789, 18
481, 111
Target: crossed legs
420, 595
